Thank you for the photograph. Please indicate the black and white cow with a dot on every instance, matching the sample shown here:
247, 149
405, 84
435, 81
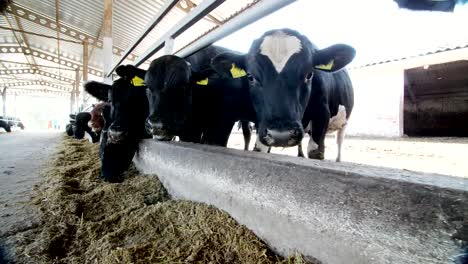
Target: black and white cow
124, 119
337, 91
430, 5
285, 72
188, 99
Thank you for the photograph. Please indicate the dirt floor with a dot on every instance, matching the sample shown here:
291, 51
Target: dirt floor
433, 155
22, 157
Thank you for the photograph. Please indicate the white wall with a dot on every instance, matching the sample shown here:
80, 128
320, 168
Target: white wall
378, 93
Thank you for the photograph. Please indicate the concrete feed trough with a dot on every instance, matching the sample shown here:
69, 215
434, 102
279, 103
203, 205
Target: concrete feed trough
336, 213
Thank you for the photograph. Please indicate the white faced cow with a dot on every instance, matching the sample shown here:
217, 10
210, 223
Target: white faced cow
287, 74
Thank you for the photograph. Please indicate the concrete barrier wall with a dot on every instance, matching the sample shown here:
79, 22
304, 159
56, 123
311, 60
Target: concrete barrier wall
336, 213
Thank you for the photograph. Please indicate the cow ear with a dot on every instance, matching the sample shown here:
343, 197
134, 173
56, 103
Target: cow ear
130, 71
98, 90
72, 116
229, 65
334, 58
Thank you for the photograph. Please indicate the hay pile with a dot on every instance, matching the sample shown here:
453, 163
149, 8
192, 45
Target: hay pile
89, 221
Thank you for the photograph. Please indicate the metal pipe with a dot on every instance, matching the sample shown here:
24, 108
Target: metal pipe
245, 18
154, 22
194, 16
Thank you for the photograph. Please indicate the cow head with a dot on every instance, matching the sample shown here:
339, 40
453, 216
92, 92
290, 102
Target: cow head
127, 97
280, 67
170, 96
80, 124
97, 120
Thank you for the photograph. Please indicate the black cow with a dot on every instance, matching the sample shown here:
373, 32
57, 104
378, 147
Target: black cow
124, 119
5, 126
280, 67
430, 5
80, 126
188, 99
69, 128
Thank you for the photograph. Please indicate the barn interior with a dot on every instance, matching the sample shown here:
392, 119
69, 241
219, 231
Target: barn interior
393, 199
436, 100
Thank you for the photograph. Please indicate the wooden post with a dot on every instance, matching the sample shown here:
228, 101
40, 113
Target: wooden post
107, 39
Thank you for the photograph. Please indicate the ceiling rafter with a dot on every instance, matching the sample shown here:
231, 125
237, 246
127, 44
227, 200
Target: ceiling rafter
35, 83
20, 91
8, 62
36, 71
46, 56
47, 22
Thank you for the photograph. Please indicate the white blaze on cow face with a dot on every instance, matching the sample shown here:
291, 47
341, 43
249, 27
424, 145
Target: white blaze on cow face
279, 47
339, 121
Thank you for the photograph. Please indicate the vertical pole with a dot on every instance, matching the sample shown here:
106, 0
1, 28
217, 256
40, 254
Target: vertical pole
76, 88
107, 40
168, 46
85, 71
14, 105
4, 101
72, 101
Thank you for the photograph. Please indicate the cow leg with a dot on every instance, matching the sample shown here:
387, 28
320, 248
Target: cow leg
340, 134
218, 135
300, 153
247, 134
316, 147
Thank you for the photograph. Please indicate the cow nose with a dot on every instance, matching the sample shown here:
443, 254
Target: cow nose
282, 138
115, 136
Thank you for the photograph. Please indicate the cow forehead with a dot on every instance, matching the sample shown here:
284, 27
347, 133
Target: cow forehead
279, 47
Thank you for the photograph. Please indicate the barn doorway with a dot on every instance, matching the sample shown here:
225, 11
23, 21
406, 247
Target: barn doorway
436, 100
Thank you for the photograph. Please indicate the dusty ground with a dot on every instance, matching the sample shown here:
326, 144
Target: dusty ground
22, 156
434, 155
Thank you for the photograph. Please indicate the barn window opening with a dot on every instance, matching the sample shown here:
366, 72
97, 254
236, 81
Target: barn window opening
436, 100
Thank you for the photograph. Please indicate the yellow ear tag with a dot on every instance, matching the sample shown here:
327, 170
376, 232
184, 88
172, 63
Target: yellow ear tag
137, 81
203, 82
237, 72
328, 66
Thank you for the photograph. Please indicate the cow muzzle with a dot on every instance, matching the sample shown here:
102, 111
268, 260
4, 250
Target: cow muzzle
115, 136
282, 138
159, 131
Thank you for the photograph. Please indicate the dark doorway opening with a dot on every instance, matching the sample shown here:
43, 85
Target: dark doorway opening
436, 100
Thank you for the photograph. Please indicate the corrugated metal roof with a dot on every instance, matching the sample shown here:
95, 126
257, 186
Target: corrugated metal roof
129, 19
414, 54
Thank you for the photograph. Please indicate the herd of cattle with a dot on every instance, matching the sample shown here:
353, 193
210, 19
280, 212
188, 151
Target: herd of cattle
285, 85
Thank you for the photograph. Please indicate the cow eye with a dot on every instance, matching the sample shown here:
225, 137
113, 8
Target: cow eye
250, 77
309, 76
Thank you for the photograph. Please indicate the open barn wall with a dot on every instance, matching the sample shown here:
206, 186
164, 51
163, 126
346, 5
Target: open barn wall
436, 100
379, 94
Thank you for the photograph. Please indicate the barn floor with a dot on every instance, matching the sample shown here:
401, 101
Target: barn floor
434, 155
22, 156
